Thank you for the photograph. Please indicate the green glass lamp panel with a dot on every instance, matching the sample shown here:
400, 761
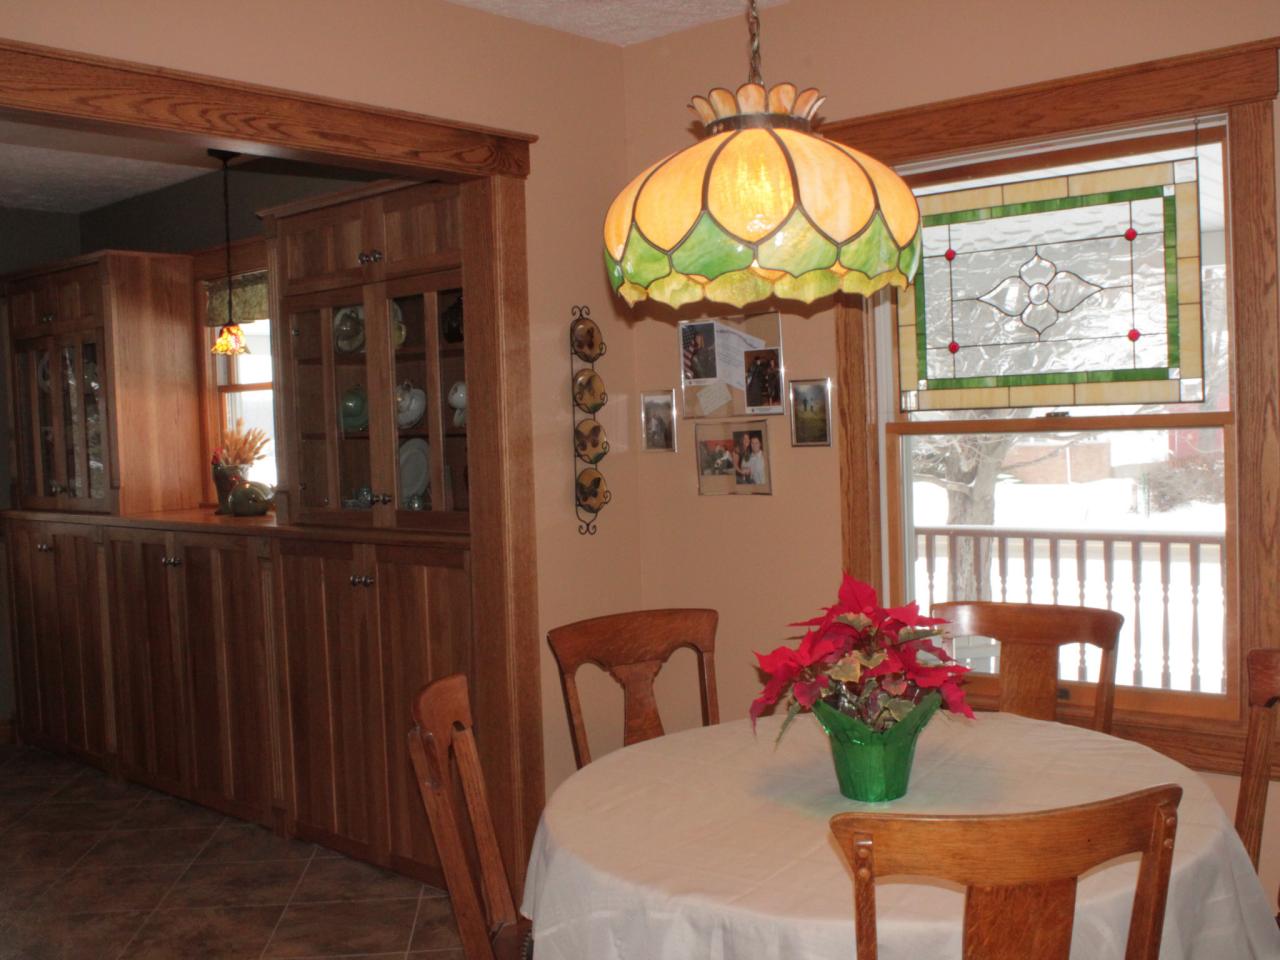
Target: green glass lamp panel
909, 259
614, 270
738, 288
675, 290
642, 262
1075, 289
709, 251
808, 287
796, 247
873, 251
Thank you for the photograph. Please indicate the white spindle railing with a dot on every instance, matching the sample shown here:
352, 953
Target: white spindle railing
1032, 566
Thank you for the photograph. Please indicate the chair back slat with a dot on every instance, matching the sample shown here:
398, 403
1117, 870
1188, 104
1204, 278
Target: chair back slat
631, 648
451, 783
1030, 636
1255, 775
1019, 870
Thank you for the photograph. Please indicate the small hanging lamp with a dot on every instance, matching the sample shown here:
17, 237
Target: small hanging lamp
231, 340
761, 207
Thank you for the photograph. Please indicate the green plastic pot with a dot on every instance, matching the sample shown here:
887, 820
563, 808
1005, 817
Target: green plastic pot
874, 766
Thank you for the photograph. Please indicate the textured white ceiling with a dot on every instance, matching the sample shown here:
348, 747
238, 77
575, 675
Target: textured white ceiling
617, 21
65, 171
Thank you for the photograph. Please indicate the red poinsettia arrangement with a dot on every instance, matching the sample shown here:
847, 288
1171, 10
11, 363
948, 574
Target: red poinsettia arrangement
867, 662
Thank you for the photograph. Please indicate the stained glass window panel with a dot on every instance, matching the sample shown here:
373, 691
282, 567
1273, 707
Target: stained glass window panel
1070, 290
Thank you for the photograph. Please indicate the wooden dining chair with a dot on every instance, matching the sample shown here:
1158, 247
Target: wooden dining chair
1030, 636
474, 873
1255, 776
631, 648
1019, 870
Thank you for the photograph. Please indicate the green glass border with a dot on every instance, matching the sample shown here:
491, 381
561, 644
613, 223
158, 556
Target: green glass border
924, 382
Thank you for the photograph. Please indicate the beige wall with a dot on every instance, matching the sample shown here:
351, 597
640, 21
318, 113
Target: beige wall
602, 113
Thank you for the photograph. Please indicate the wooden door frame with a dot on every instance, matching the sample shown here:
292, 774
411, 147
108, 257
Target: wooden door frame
1240, 81
49, 85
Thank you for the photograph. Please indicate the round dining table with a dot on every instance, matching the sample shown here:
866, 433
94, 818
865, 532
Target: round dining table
713, 844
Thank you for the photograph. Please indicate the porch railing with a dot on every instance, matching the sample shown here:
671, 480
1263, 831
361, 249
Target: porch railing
1170, 587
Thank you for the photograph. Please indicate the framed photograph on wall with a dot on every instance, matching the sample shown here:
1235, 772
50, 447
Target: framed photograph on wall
732, 457
658, 420
731, 366
811, 413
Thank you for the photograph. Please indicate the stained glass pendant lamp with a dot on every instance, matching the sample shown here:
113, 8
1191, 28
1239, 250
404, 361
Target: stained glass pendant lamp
761, 207
231, 340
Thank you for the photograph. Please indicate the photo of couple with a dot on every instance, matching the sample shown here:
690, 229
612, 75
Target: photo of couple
733, 457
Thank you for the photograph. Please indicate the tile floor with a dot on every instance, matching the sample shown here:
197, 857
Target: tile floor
92, 869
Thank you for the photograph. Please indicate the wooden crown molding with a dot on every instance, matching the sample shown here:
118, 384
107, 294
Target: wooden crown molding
120, 96
1121, 96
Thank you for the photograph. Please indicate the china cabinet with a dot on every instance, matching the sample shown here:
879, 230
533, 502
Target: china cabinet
373, 359
103, 363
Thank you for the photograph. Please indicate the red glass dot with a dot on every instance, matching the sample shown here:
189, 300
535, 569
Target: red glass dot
953, 347
1130, 234
951, 254
1134, 335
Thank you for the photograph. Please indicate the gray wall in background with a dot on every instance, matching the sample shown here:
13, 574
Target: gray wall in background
29, 238
188, 216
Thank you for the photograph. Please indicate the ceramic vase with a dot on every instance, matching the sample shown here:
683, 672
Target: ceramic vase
226, 477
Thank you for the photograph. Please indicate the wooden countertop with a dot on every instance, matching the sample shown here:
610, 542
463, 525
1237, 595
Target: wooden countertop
204, 520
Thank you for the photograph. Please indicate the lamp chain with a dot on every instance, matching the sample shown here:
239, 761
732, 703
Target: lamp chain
226, 229
753, 24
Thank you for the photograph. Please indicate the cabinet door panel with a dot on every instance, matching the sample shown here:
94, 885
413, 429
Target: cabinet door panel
424, 622
322, 250
29, 567
223, 638
75, 604
420, 230
149, 680
335, 702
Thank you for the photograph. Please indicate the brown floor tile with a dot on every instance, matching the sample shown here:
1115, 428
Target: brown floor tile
45, 849
161, 811
18, 887
36, 763
246, 841
136, 847
352, 880
61, 817
15, 789
93, 785
224, 933
105, 889
325, 929
78, 937
228, 884
436, 929
456, 954
12, 811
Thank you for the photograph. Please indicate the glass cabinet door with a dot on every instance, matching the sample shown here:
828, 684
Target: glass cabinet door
429, 396
81, 414
35, 399
328, 353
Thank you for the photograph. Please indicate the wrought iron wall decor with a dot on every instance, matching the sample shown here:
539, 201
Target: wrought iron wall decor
586, 346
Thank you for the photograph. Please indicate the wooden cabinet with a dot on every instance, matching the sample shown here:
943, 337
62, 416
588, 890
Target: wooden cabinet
369, 359
224, 591
150, 676
335, 705
60, 653
103, 363
366, 235
365, 627
188, 620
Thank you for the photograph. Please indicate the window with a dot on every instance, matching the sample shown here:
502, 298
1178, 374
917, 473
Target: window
1062, 422
243, 384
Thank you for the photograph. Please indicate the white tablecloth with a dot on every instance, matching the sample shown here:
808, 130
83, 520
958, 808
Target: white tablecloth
713, 845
